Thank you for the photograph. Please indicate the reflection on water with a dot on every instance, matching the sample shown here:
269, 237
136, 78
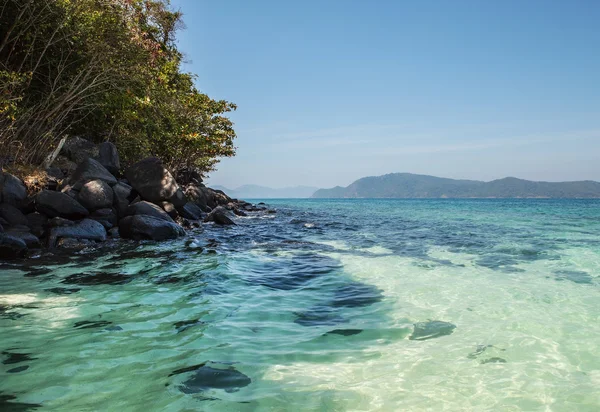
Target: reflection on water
329, 305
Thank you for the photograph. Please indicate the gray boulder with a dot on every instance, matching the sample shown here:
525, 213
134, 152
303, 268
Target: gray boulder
148, 209
107, 217
199, 195
37, 222
54, 204
87, 229
31, 241
170, 209
12, 215
154, 182
11, 247
122, 197
108, 156
142, 227
77, 149
221, 216
191, 211
95, 195
12, 190
88, 170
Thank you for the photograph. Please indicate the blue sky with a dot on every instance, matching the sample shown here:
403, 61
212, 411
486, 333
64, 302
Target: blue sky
331, 91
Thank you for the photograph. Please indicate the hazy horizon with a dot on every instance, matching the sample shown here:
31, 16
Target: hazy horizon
330, 93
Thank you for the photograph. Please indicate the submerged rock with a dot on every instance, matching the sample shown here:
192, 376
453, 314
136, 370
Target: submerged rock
344, 332
575, 276
224, 377
431, 329
8, 403
98, 278
356, 294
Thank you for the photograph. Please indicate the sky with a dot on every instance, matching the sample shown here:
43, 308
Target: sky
332, 91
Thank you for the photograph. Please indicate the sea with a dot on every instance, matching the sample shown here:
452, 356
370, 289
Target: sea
326, 305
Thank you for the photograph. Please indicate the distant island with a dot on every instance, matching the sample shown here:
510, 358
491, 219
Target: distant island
262, 192
408, 185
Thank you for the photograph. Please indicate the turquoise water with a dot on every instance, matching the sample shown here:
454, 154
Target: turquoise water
329, 305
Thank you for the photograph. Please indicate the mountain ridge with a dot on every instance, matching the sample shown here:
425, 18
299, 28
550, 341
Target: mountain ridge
408, 185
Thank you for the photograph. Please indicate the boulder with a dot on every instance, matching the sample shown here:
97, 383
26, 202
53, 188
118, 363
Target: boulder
12, 190
37, 222
108, 156
55, 173
218, 198
31, 241
1, 228
122, 196
199, 195
170, 209
69, 190
148, 209
19, 228
87, 229
54, 204
58, 222
154, 182
191, 211
107, 217
88, 170
95, 195
220, 216
141, 227
12, 215
11, 247
77, 149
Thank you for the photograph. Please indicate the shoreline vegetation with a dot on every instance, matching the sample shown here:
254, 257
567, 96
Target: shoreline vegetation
102, 134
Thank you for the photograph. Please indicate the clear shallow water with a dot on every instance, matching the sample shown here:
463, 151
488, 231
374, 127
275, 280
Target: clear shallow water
314, 309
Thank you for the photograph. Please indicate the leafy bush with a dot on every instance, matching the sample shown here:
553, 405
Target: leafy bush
104, 70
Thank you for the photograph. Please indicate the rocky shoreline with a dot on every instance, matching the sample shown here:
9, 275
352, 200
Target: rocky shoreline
85, 201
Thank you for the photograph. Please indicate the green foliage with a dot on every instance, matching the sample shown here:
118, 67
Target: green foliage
105, 70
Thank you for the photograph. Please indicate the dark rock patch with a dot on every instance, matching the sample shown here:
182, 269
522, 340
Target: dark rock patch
493, 360
34, 272
63, 291
575, 276
18, 369
221, 376
98, 278
8, 404
16, 358
319, 316
344, 332
431, 329
187, 324
355, 295
30, 240
88, 324
108, 156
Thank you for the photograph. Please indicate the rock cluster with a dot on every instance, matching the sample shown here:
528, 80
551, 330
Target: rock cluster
90, 201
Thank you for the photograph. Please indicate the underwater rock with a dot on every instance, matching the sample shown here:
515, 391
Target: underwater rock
18, 369
98, 278
493, 360
574, 276
224, 377
344, 332
63, 291
186, 324
16, 358
8, 404
319, 316
355, 295
88, 324
431, 329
